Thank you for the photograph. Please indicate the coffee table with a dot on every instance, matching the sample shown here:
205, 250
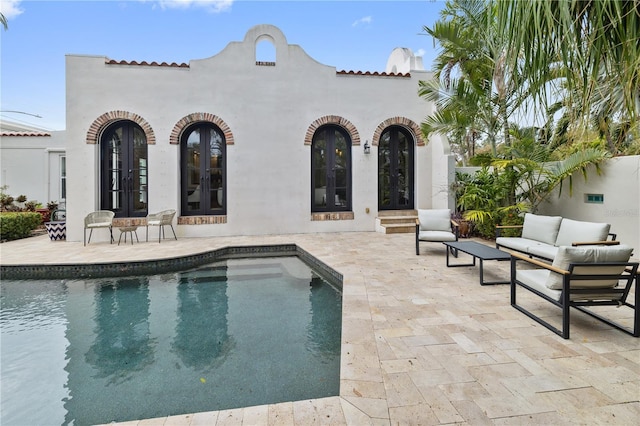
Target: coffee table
479, 251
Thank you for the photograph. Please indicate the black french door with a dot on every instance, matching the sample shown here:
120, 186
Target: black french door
395, 170
123, 170
203, 159
331, 170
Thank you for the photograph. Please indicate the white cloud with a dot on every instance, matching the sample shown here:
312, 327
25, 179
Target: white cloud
362, 21
214, 6
10, 8
420, 52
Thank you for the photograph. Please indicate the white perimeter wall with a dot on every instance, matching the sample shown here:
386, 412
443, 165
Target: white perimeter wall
619, 183
268, 109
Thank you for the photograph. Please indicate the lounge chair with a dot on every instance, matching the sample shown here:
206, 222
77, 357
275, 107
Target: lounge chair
579, 277
98, 219
436, 225
161, 219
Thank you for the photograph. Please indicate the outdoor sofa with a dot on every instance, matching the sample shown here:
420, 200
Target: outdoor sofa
542, 235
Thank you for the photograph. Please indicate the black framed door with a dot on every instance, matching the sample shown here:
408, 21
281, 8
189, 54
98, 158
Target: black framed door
331, 170
123, 170
396, 170
203, 171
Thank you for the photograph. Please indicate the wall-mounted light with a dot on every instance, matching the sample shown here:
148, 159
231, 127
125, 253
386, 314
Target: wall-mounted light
367, 147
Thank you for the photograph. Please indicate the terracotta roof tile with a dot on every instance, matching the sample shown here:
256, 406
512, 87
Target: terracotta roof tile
25, 134
375, 73
147, 64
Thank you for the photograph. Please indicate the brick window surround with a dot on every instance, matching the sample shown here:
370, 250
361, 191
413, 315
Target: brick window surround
107, 118
336, 120
197, 117
402, 122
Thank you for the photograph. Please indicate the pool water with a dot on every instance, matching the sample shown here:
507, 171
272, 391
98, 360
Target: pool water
236, 333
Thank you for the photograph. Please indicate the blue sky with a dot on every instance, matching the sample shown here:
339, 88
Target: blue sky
351, 35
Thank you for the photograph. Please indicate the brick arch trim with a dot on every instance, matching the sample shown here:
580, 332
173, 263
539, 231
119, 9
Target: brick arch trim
195, 117
112, 116
332, 119
402, 122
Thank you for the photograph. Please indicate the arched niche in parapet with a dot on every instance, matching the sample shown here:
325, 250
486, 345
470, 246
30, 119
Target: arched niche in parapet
269, 44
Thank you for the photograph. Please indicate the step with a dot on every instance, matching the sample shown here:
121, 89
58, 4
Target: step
389, 220
385, 213
398, 228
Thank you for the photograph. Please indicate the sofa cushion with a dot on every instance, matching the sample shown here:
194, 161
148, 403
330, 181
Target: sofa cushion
544, 251
435, 220
589, 254
536, 278
572, 231
541, 228
516, 243
436, 236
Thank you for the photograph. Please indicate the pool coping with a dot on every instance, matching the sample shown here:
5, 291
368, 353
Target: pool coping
161, 266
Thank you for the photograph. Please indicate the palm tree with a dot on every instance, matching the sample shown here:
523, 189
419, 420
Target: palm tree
472, 76
597, 40
3, 21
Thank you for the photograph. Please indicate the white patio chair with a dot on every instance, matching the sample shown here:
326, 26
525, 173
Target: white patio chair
436, 225
161, 219
98, 219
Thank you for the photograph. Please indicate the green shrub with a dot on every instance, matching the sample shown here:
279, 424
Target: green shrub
14, 226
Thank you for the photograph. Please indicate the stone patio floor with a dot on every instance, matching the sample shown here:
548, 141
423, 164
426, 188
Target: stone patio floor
422, 344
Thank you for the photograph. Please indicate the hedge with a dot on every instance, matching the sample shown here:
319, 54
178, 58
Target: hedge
14, 226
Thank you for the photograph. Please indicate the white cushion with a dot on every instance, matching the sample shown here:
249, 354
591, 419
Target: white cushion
541, 228
435, 219
153, 222
545, 251
536, 279
99, 225
436, 236
572, 231
589, 254
516, 243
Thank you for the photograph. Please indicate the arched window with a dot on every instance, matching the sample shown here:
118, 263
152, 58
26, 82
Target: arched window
330, 170
395, 169
203, 170
123, 170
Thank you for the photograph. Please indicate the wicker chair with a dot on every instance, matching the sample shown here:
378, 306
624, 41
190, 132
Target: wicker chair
98, 219
161, 219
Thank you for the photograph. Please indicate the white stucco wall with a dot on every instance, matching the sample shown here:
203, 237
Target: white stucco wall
30, 166
269, 110
619, 183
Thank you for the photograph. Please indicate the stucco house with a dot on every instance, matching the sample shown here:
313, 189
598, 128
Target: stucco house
239, 145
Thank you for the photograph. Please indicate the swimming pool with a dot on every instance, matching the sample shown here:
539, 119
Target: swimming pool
234, 333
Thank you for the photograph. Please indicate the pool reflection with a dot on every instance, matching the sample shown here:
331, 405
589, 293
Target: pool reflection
202, 333
122, 342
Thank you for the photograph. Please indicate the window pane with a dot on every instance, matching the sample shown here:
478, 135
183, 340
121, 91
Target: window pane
193, 170
63, 177
320, 172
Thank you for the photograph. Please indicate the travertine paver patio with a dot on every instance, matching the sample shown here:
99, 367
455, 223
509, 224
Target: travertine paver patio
421, 343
